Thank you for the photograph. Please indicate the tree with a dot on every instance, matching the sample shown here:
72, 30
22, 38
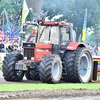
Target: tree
73, 11
94, 36
9, 8
17, 5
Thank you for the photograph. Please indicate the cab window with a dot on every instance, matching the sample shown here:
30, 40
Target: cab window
64, 36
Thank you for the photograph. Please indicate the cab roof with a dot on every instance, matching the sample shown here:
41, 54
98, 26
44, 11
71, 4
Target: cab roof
56, 23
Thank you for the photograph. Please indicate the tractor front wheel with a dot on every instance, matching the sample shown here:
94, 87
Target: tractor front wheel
50, 69
9, 72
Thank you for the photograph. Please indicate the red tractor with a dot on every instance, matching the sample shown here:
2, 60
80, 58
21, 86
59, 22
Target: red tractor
53, 55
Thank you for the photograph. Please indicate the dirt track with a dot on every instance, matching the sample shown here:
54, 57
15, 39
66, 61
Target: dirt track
24, 81
60, 94
57, 94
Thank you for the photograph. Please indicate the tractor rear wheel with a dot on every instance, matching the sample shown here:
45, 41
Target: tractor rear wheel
78, 65
28, 75
32, 74
35, 74
68, 65
9, 72
50, 69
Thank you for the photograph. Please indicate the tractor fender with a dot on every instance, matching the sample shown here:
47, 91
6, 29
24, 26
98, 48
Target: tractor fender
74, 45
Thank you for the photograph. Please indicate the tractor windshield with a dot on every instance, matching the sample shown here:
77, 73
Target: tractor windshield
48, 35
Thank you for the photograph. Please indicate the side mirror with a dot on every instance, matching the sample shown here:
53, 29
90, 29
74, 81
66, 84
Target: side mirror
67, 29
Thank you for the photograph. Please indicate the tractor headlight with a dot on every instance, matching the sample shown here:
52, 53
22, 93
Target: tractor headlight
32, 58
25, 58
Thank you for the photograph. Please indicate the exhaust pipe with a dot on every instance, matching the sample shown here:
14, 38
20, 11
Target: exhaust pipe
35, 6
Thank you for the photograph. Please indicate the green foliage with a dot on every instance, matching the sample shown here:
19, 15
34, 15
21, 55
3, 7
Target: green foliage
11, 6
29, 17
73, 11
1, 65
92, 38
7, 5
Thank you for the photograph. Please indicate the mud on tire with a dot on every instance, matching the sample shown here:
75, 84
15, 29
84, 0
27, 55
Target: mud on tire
50, 69
78, 65
9, 72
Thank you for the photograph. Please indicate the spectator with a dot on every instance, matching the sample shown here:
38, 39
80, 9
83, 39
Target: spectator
14, 45
93, 50
9, 41
10, 48
7, 45
97, 51
2, 47
88, 46
19, 48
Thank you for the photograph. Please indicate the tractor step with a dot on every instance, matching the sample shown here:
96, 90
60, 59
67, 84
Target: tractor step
64, 72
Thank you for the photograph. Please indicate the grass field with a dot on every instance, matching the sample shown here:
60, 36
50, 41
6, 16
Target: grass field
48, 86
1, 65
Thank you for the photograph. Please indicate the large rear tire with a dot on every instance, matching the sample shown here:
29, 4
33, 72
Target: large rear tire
9, 72
68, 65
78, 65
50, 69
33, 74
28, 75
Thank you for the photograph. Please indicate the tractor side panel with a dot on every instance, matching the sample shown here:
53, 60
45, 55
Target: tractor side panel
41, 50
39, 54
74, 45
43, 46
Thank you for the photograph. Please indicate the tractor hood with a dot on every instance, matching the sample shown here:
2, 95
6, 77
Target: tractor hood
35, 51
36, 45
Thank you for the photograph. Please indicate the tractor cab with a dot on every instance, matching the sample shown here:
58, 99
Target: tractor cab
57, 33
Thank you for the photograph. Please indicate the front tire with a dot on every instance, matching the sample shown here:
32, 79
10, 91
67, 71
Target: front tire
9, 72
50, 69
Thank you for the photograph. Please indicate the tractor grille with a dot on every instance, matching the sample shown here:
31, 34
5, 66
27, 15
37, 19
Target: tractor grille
28, 53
